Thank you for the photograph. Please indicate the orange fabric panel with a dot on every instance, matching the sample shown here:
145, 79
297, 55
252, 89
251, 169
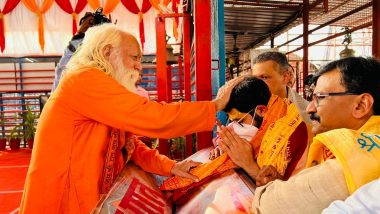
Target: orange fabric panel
32, 6
277, 108
155, 4
73, 134
94, 4
218, 165
110, 5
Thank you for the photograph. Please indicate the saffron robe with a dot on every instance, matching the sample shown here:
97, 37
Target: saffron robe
73, 134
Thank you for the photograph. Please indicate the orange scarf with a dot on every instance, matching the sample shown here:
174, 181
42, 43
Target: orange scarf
273, 150
276, 109
218, 165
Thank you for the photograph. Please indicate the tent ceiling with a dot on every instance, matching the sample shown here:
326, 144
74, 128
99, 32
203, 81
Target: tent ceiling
252, 22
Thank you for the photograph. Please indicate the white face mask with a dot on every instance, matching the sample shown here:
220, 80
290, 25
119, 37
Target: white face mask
245, 131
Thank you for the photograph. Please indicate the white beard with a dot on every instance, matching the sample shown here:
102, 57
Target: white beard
126, 77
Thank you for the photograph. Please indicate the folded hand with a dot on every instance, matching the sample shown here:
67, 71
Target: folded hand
216, 152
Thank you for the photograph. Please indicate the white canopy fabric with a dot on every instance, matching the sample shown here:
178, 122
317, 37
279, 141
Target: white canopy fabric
21, 34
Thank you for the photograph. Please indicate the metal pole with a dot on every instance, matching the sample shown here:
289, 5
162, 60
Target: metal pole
161, 72
273, 4
180, 76
375, 29
202, 45
222, 48
271, 41
187, 76
305, 18
161, 60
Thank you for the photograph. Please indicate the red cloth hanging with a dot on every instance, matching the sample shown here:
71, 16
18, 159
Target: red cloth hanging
65, 5
9, 6
133, 8
175, 4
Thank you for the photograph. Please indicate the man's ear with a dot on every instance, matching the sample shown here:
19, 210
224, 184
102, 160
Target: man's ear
363, 105
261, 110
260, 113
107, 51
286, 76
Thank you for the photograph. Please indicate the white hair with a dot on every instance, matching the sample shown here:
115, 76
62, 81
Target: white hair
90, 52
126, 77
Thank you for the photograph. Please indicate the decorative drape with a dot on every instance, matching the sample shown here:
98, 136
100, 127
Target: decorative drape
32, 6
160, 7
133, 8
65, 5
108, 7
22, 34
8, 7
176, 19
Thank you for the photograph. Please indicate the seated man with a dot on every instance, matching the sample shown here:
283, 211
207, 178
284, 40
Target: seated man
284, 127
283, 142
345, 112
245, 110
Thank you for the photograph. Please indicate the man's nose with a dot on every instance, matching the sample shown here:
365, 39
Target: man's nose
311, 107
138, 66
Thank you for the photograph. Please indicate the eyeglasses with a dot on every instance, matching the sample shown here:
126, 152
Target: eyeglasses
234, 114
317, 97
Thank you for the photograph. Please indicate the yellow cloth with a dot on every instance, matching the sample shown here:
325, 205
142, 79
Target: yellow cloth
358, 151
218, 165
273, 150
276, 109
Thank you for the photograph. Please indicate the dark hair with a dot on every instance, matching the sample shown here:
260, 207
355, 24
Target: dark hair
308, 80
308, 87
248, 94
278, 57
359, 75
99, 17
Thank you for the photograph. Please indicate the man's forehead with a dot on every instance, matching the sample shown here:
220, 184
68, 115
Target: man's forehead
330, 80
266, 67
131, 44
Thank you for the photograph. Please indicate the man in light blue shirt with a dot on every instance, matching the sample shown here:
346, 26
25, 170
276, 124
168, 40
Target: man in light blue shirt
364, 200
88, 20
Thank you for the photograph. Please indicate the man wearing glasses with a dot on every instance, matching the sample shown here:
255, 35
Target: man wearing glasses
345, 153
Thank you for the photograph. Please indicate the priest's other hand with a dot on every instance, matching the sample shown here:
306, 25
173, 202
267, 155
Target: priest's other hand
182, 169
224, 93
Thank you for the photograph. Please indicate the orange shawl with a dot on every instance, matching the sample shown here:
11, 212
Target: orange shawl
277, 108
